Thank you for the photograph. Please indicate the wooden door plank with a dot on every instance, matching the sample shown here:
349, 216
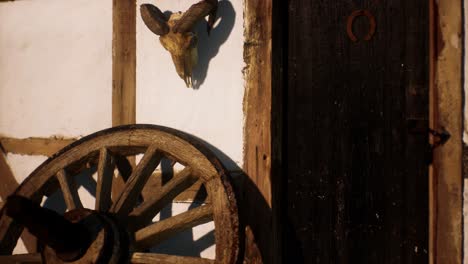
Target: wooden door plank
357, 189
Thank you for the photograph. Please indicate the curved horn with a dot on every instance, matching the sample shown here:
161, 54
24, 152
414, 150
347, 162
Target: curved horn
154, 19
195, 13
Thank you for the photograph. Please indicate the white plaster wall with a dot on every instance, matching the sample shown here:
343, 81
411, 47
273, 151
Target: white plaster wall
55, 73
56, 79
212, 111
21, 165
55, 67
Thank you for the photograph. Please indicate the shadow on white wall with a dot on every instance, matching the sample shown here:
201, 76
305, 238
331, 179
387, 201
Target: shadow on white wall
197, 242
208, 45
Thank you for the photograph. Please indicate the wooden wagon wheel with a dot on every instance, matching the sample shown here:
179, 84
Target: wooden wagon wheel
120, 229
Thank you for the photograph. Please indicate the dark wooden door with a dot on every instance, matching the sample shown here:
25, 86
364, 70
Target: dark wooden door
356, 140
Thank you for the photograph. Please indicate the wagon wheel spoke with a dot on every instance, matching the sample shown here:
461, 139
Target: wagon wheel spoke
21, 258
129, 196
105, 173
144, 213
153, 234
124, 166
142, 193
124, 170
149, 258
69, 190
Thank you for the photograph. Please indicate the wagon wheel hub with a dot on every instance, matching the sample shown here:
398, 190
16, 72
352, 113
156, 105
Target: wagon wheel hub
122, 226
80, 235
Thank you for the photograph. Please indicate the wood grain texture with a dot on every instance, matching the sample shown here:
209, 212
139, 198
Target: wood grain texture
133, 187
105, 174
149, 258
195, 192
69, 190
357, 182
257, 98
155, 233
133, 140
448, 102
34, 258
224, 251
123, 62
124, 167
145, 212
261, 120
34, 146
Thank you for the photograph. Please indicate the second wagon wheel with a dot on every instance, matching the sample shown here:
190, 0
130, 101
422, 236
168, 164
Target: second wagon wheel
120, 228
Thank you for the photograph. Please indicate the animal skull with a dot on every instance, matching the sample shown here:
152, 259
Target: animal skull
176, 33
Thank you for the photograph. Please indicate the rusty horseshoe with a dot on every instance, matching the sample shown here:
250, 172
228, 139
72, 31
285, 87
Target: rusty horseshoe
350, 22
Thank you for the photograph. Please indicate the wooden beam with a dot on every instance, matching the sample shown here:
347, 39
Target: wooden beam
447, 186
257, 98
123, 70
259, 205
124, 62
143, 258
34, 146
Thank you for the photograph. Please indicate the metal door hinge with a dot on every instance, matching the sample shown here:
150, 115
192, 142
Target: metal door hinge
440, 137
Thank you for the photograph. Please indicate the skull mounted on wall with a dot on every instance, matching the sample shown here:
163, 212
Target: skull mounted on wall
176, 33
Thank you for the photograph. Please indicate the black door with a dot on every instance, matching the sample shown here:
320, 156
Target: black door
356, 132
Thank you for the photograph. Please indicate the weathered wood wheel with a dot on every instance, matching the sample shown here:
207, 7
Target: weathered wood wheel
120, 229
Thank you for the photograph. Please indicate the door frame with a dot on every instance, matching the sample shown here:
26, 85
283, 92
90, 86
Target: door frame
446, 112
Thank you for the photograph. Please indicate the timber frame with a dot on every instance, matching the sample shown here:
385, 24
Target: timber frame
265, 59
123, 92
263, 54
123, 102
263, 109
446, 204
123, 62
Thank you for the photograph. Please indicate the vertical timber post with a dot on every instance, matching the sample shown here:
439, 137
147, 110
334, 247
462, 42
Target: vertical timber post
123, 69
123, 62
447, 183
263, 73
